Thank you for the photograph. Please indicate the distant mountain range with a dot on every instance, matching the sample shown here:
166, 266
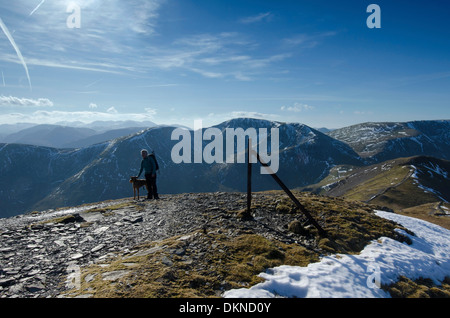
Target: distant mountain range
72, 135
38, 177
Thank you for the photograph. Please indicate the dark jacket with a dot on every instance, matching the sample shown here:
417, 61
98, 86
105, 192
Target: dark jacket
148, 164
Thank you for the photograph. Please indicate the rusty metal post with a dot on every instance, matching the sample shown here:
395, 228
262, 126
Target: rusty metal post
293, 198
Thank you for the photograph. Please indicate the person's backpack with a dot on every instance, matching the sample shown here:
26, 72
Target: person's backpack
156, 161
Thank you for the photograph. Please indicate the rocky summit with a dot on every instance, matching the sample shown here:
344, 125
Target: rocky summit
181, 245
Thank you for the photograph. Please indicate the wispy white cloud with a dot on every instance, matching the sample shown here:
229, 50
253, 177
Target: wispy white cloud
297, 108
241, 77
267, 16
16, 48
264, 62
158, 85
215, 118
25, 102
252, 114
93, 83
53, 117
362, 112
305, 40
99, 17
72, 65
145, 15
37, 8
205, 73
151, 111
104, 43
417, 79
222, 55
299, 39
216, 60
112, 110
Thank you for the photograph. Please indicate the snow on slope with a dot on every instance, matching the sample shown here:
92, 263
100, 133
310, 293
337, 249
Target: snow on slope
359, 276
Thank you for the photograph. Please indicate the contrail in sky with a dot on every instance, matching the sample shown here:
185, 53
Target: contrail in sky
13, 43
3, 77
35, 9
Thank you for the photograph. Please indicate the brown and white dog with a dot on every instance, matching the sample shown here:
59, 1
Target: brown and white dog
137, 184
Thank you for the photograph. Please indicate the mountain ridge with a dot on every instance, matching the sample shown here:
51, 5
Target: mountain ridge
400, 184
70, 136
377, 142
101, 171
105, 174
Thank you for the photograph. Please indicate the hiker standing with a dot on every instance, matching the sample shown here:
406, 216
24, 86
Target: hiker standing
149, 165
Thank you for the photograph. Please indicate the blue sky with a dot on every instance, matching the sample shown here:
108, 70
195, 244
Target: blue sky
174, 61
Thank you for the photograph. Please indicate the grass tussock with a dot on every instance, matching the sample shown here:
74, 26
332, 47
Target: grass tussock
350, 225
420, 288
436, 212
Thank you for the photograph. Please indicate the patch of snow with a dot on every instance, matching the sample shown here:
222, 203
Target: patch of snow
427, 189
437, 169
360, 276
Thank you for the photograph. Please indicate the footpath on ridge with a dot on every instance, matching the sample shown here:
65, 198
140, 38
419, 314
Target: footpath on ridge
45, 254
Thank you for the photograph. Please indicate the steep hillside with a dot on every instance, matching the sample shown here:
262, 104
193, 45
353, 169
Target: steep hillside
30, 173
399, 184
378, 142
